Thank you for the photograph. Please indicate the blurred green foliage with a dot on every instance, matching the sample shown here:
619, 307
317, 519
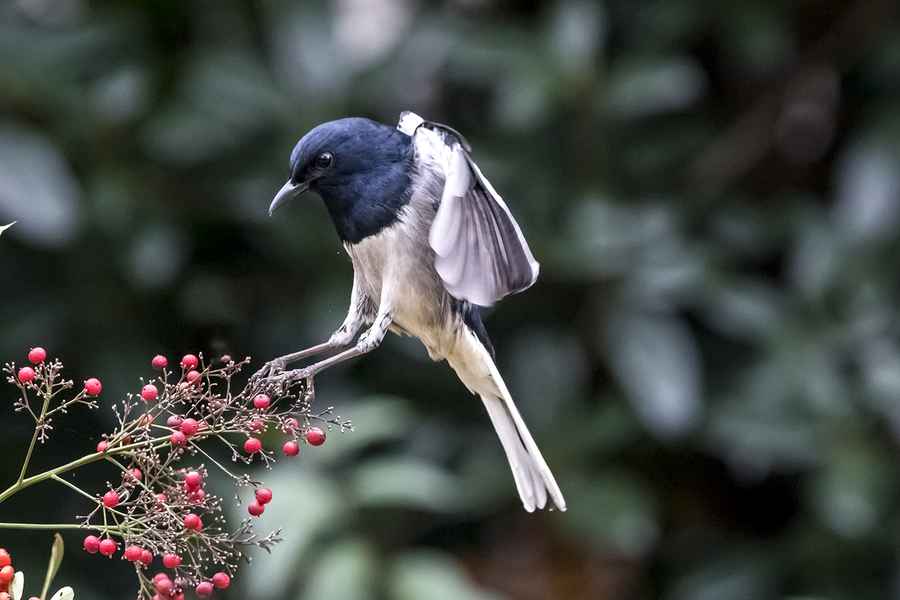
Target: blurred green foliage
710, 359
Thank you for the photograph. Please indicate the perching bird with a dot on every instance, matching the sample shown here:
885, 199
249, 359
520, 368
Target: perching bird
430, 241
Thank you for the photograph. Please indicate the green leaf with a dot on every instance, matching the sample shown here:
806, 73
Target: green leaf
65, 593
405, 482
433, 575
16, 586
56, 556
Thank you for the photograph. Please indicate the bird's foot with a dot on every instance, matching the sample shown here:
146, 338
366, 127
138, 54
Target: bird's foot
270, 370
273, 380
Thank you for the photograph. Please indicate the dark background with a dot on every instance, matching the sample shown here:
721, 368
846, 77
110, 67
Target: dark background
710, 359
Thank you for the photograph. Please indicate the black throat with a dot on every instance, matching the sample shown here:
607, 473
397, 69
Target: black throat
364, 203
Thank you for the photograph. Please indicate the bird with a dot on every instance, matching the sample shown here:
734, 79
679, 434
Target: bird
430, 241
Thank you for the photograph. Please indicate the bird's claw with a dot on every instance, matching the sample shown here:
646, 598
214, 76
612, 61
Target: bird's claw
270, 372
274, 379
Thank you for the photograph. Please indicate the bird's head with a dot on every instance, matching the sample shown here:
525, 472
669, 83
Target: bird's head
360, 168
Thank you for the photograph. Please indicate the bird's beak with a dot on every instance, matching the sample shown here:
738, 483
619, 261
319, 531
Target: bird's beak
288, 191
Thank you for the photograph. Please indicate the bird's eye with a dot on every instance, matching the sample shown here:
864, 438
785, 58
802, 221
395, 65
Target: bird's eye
324, 161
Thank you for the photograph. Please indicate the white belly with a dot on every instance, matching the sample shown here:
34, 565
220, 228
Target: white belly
396, 267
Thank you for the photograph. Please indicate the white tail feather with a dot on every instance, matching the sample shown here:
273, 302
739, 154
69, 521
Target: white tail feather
531, 473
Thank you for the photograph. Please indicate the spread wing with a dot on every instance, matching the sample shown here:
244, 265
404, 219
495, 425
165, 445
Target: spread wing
481, 254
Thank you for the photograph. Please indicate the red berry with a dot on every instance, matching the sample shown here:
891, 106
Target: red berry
160, 501
133, 553
110, 499
198, 496
159, 577
193, 521
92, 544
107, 547
221, 580
92, 386
146, 557
26, 374
264, 496
189, 427
315, 436
6, 574
225, 358
171, 561
252, 446
136, 474
194, 377
178, 439
192, 481
291, 448
178, 596
164, 587
149, 392
102, 446
174, 421
261, 402
37, 355
255, 508
257, 425
189, 361
291, 425
204, 589
4, 558
159, 362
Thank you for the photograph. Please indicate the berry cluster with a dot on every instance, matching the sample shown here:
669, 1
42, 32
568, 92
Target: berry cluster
6, 574
156, 507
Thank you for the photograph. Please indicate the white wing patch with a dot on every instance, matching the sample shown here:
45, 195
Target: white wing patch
482, 255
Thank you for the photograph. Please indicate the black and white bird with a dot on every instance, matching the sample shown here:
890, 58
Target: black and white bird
430, 241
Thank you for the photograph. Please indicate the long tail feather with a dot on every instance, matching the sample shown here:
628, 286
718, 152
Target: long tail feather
532, 475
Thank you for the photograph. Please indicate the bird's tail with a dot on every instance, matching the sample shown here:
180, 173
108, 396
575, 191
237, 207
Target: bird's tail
534, 480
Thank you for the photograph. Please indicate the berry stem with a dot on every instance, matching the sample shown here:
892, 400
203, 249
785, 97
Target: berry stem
72, 486
21, 479
55, 526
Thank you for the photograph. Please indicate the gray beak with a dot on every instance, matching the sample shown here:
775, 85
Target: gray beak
288, 191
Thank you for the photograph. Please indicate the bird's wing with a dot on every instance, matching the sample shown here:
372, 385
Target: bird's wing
481, 254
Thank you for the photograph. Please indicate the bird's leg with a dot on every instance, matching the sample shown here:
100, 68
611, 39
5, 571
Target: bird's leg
367, 342
339, 338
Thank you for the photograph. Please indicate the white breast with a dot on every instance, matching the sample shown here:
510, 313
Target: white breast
397, 266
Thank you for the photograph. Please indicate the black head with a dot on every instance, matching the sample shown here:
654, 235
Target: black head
360, 168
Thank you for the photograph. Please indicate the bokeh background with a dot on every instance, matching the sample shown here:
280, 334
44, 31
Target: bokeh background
710, 359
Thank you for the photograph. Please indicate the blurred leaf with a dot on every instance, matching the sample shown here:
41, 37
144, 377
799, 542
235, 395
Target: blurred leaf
378, 419
428, 574
741, 575
641, 88
613, 511
852, 493
656, 360
306, 506
577, 34
346, 570
867, 206
37, 189
404, 482
56, 556
549, 372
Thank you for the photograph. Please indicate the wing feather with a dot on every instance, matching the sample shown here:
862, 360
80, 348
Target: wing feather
482, 255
